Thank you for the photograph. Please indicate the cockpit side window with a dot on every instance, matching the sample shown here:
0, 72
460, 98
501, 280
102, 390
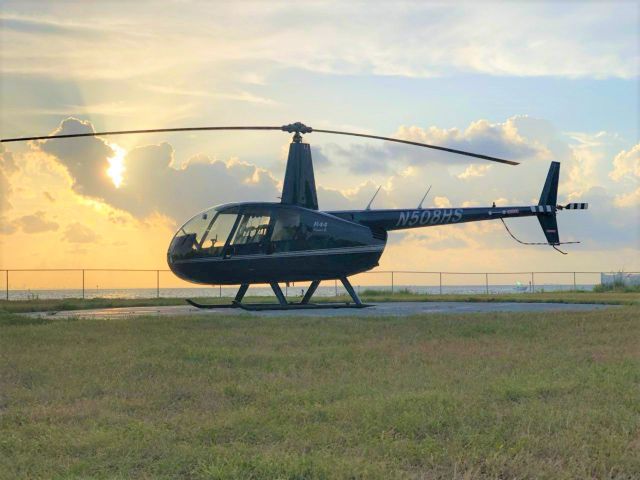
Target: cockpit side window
251, 233
289, 233
286, 226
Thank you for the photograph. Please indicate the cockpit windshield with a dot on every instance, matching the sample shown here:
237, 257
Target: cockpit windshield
204, 235
217, 232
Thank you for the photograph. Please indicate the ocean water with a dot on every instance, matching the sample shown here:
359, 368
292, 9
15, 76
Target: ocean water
328, 290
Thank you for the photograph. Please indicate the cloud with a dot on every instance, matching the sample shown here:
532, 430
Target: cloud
78, 233
7, 162
5, 191
25, 24
241, 96
501, 140
363, 158
442, 202
6, 227
474, 170
495, 139
626, 163
439, 239
320, 160
418, 40
604, 225
151, 181
7, 167
589, 160
85, 157
355, 198
626, 200
36, 223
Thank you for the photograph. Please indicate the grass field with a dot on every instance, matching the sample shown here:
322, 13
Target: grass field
553, 395
606, 297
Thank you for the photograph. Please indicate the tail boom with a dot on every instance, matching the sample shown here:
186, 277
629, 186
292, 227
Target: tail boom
545, 211
400, 219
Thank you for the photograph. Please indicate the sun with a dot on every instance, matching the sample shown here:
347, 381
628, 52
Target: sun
116, 164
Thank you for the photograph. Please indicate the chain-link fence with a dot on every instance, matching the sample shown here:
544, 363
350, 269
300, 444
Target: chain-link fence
24, 284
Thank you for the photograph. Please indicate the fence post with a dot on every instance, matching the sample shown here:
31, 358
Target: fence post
533, 284
157, 283
7, 279
220, 290
486, 282
440, 283
392, 282
336, 286
574, 281
83, 283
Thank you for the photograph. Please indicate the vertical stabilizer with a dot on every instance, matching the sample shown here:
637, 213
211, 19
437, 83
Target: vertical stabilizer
547, 203
299, 182
549, 194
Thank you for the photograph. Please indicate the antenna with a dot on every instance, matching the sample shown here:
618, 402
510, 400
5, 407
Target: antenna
372, 198
425, 196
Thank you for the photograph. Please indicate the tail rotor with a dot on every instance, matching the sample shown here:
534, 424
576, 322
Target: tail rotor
546, 211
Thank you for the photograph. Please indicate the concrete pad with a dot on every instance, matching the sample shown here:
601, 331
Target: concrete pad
380, 309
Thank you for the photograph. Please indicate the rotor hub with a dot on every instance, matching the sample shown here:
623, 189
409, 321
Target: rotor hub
297, 127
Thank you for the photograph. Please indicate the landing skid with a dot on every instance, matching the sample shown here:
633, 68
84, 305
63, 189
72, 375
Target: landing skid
208, 305
256, 307
282, 302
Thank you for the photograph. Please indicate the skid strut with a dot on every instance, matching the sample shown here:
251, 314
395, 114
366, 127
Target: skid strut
310, 291
241, 292
283, 304
282, 300
349, 288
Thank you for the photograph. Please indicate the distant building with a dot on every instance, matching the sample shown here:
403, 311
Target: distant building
620, 278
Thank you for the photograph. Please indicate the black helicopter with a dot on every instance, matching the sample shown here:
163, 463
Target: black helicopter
289, 241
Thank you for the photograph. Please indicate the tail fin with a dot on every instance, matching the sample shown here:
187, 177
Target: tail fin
547, 205
549, 194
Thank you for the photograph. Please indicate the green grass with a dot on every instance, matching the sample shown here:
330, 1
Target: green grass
572, 296
538, 395
605, 297
617, 286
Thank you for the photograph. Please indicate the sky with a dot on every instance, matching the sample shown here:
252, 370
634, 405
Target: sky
533, 82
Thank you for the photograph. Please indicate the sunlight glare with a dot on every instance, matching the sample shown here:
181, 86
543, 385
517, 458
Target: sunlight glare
116, 165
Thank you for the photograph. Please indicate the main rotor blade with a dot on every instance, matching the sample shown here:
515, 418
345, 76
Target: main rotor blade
291, 128
125, 132
409, 142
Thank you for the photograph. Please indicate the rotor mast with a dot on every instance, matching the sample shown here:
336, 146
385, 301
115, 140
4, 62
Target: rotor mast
299, 186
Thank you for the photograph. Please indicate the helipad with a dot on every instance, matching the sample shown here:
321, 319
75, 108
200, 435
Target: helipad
380, 309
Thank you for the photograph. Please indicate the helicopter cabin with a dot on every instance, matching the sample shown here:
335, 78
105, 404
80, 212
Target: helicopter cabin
264, 242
